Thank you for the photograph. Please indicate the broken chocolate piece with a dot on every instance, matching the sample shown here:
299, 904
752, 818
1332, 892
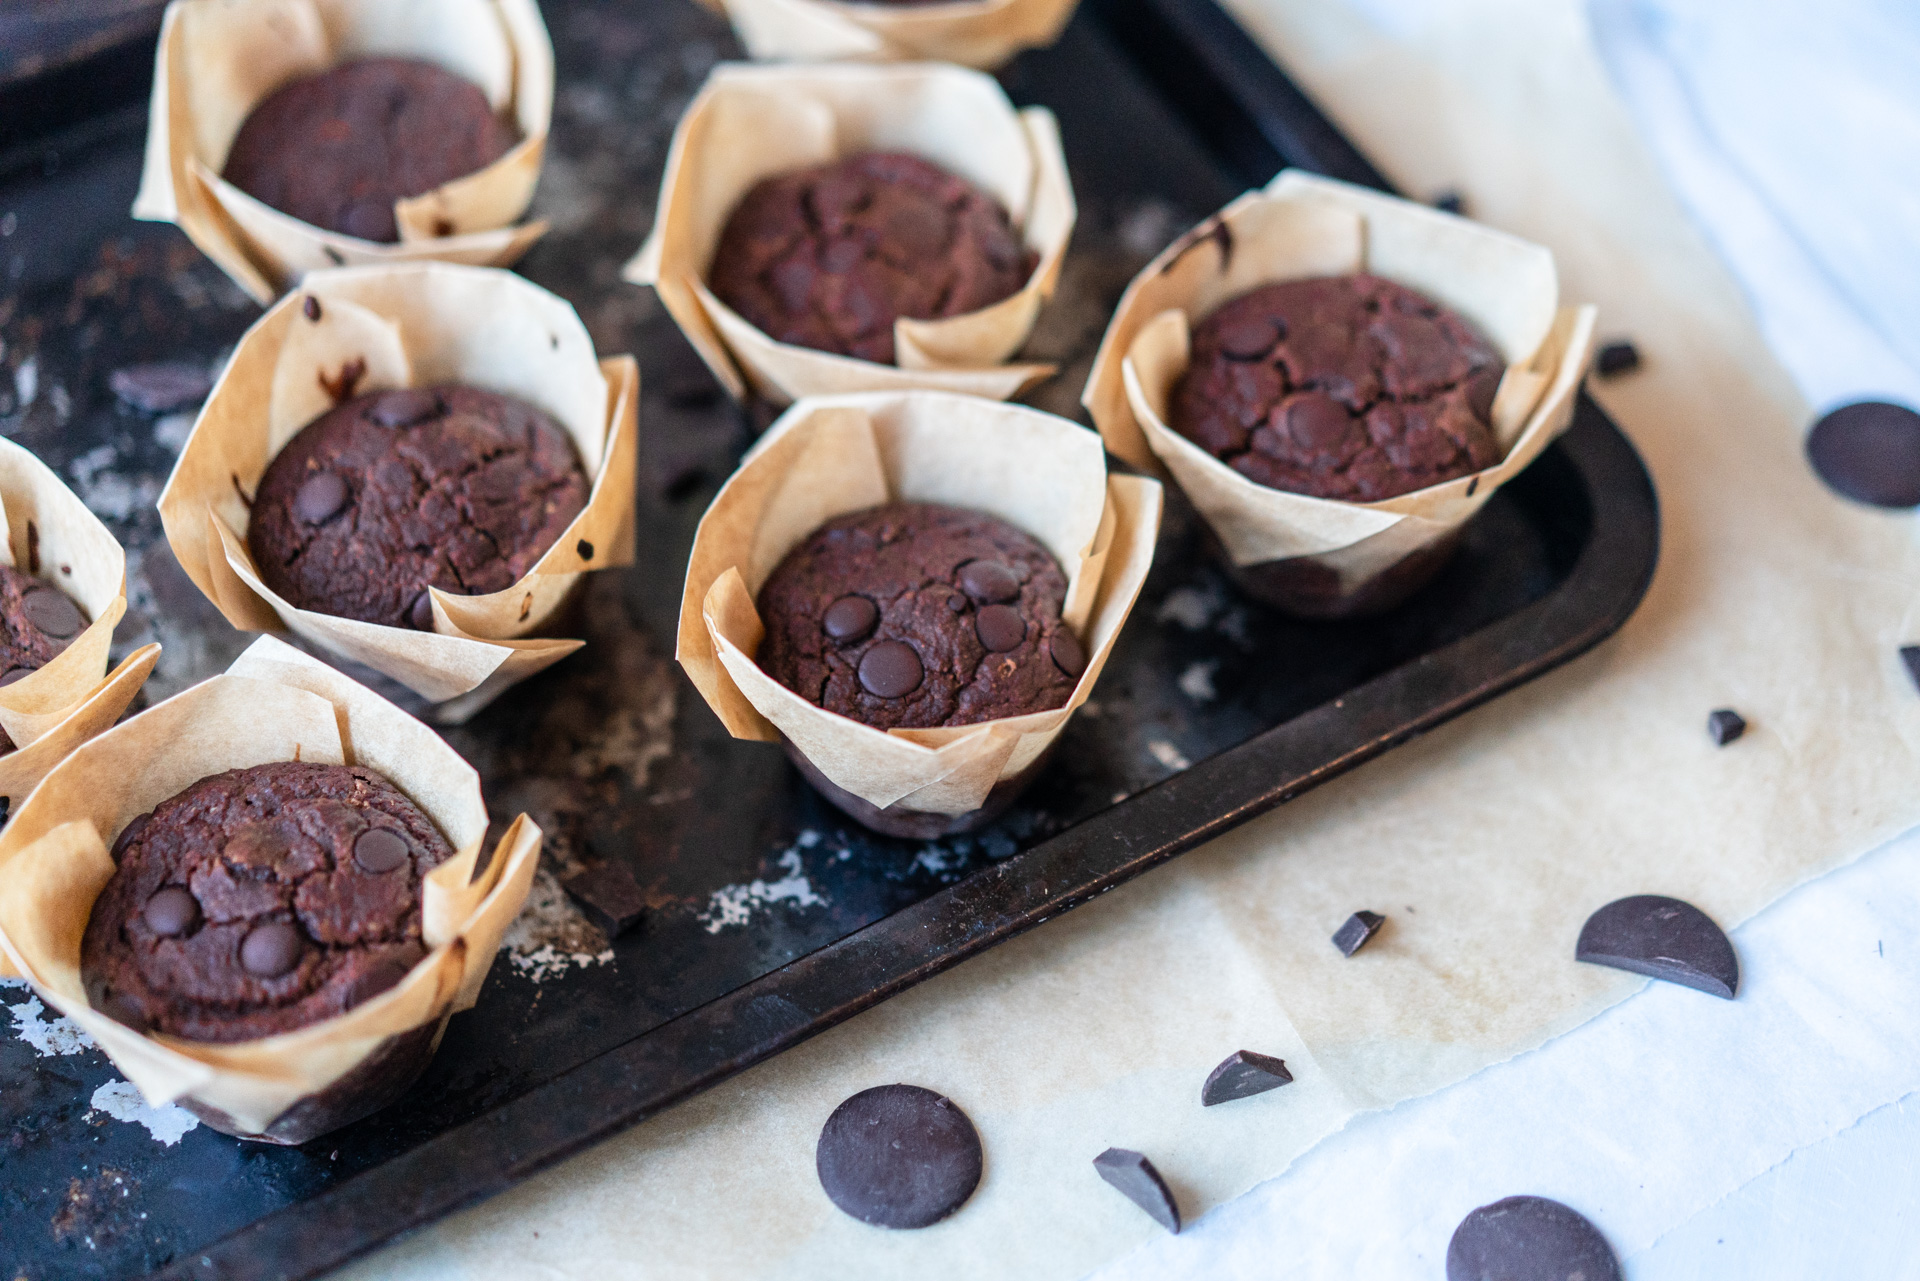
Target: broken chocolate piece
1725, 725
1141, 1184
898, 1156
1616, 358
1869, 452
1529, 1238
1243, 1075
1358, 932
1662, 938
1452, 202
609, 896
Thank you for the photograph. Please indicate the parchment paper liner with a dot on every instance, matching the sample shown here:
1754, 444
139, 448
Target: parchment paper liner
1303, 226
273, 704
832, 455
218, 59
752, 122
973, 33
412, 325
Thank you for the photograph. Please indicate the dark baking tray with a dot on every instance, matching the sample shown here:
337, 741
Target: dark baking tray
1168, 110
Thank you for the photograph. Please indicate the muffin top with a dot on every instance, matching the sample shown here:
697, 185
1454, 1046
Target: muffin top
830, 257
1346, 387
261, 900
913, 615
37, 621
338, 148
392, 492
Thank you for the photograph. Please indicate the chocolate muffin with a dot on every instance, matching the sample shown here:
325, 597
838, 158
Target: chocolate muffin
913, 615
1347, 387
37, 621
392, 492
259, 901
337, 149
830, 257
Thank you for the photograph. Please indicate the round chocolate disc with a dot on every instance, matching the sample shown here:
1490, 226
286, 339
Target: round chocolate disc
420, 613
1869, 452
850, 618
1529, 1238
1249, 339
272, 949
989, 581
898, 1156
16, 674
49, 610
404, 408
380, 849
1000, 627
891, 669
129, 834
320, 497
1064, 648
171, 911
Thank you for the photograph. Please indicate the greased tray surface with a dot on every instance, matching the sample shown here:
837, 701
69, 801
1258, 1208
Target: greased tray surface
772, 916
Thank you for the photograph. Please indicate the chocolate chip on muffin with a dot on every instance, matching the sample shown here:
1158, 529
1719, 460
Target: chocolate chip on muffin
1345, 387
830, 257
259, 901
337, 149
914, 615
37, 622
394, 492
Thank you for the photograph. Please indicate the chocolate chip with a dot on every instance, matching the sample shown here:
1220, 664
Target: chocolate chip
379, 850
122, 1009
609, 896
1910, 657
1663, 938
382, 976
1483, 386
1450, 202
171, 911
898, 1156
849, 619
1000, 628
14, 675
161, 388
1616, 358
989, 581
311, 307
1358, 931
1529, 1238
1249, 338
585, 549
420, 613
1242, 1075
891, 669
1869, 452
1725, 725
1141, 1184
129, 834
320, 497
1066, 651
49, 610
270, 950
403, 408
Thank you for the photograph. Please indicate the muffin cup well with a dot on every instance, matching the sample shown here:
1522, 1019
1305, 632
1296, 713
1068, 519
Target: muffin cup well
1319, 556
218, 59
833, 455
374, 328
753, 122
273, 704
974, 33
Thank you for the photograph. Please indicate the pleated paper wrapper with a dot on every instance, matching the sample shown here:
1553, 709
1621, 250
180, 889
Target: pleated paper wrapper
413, 325
273, 704
833, 455
1304, 226
753, 122
218, 59
974, 33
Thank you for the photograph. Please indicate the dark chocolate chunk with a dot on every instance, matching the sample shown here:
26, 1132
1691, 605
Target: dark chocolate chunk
1243, 1075
129, 834
609, 896
850, 618
271, 950
1663, 938
380, 849
1450, 202
404, 408
14, 675
311, 307
898, 1156
162, 388
171, 911
1616, 358
1000, 628
1250, 337
989, 581
891, 669
1910, 656
1064, 648
1725, 725
1358, 931
1141, 1184
1529, 1238
1869, 452
323, 495
420, 613
49, 610
585, 549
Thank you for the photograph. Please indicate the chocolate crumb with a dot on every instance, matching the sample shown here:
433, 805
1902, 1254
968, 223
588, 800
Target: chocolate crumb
1725, 725
1451, 201
1616, 358
1358, 931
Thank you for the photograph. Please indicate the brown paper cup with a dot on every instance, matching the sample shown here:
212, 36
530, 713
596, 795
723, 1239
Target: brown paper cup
218, 59
974, 33
838, 454
1318, 556
273, 704
412, 325
752, 122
